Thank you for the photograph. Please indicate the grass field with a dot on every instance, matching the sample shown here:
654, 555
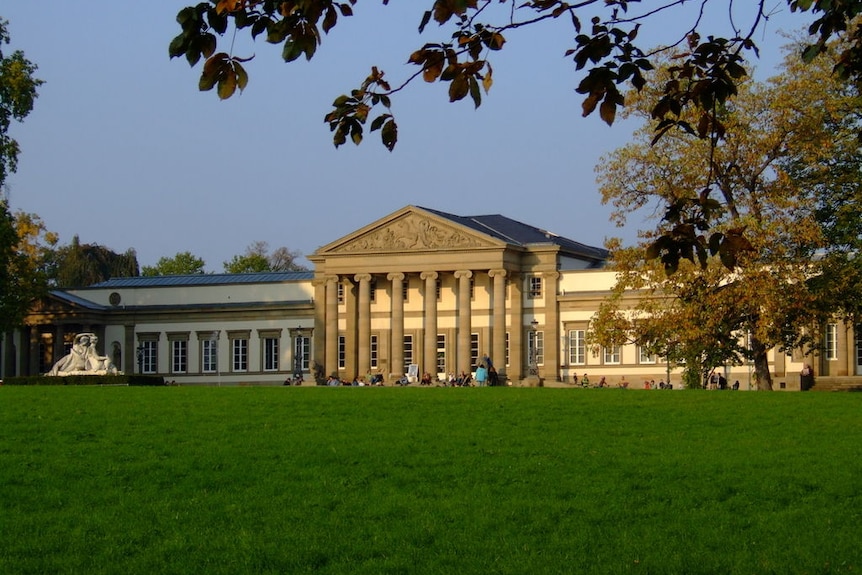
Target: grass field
414, 481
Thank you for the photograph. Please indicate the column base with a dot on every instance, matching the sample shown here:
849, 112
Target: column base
531, 381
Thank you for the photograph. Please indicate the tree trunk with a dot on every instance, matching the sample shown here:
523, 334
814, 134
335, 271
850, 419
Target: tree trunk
762, 377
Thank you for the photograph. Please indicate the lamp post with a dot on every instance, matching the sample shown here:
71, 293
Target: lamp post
533, 379
140, 355
297, 356
534, 368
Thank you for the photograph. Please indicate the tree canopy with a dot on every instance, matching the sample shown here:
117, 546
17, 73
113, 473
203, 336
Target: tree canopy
22, 236
25, 246
17, 94
605, 48
783, 138
80, 265
183, 263
257, 258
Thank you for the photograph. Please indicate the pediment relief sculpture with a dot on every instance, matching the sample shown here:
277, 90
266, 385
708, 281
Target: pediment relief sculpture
412, 233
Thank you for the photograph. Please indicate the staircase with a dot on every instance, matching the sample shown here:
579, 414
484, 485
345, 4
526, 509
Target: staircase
827, 383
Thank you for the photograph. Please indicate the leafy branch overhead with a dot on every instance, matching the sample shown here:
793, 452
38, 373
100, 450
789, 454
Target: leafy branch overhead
705, 76
606, 52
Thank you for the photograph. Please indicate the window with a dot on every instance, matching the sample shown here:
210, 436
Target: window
645, 356
239, 347
831, 343
405, 289
507, 348
612, 355
209, 355
148, 356
270, 353
472, 288
474, 349
439, 288
301, 352
535, 289
408, 351
340, 292
342, 352
536, 344
441, 353
577, 347
372, 290
374, 352
179, 355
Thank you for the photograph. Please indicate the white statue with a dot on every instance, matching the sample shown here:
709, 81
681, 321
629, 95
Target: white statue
84, 359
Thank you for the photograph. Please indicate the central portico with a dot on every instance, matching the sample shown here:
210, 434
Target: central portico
425, 287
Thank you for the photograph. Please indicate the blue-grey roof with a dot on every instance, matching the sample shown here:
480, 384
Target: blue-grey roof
75, 300
519, 233
203, 279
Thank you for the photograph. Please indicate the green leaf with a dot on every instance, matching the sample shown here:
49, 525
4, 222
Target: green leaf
459, 88
291, 51
227, 84
177, 46
241, 76
389, 134
475, 92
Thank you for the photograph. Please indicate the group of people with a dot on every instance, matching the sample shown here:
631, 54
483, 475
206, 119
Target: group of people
584, 381
716, 380
372, 379
484, 375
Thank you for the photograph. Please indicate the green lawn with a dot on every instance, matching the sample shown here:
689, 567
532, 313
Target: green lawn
445, 480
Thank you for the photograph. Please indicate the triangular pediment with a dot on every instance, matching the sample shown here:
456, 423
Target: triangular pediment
410, 229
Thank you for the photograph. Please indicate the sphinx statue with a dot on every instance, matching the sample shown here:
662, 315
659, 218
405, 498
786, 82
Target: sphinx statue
84, 359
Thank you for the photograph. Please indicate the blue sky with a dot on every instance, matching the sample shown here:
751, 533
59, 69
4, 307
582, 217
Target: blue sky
124, 151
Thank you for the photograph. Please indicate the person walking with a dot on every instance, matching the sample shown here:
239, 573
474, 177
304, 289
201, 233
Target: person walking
481, 375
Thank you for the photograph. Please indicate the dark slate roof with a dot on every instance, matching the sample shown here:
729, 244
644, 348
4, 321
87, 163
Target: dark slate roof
77, 301
203, 279
519, 233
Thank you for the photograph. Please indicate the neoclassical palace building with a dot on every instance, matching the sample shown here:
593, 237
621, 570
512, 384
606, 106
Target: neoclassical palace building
419, 287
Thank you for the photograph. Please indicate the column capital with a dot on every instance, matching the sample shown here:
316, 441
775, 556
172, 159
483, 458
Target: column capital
551, 275
395, 276
331, 279
428, 275
499, 273
362, 278
463, 274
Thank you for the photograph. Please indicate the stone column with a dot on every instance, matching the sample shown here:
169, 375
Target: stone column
465, 317
58, 349
430, 300
516, 330
33, 336
363, 327
331, 353
551, 368
396, 330
498, 330
351, 299
9, 358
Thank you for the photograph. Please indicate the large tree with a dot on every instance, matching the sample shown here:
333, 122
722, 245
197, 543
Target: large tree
80, 265
21, 234
764, 295
183, 263
257, 258
25, 245
17, 93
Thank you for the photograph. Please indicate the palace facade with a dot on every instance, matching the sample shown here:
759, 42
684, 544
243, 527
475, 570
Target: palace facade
418, 287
